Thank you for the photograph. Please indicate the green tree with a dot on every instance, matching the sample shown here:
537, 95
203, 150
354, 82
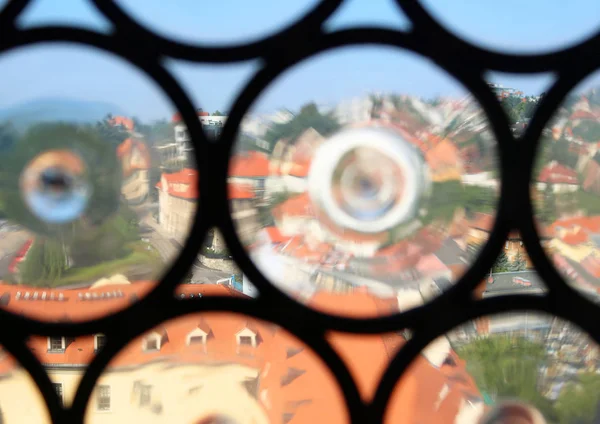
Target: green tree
46, 261
309, 117
519, 263
217, 113
502, 263
102, 171
548, 212
578, 402
507, 367
113, 134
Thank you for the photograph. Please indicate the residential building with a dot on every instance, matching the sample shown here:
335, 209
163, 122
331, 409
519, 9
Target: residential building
177, 200
242, 369
212, 126
560, 178
136, 163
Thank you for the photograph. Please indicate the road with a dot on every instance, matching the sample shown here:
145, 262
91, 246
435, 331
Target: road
169, 248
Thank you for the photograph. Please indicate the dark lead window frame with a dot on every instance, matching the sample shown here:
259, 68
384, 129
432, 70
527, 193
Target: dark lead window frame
465, 62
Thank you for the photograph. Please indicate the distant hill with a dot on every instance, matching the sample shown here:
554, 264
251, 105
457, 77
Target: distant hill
26, 114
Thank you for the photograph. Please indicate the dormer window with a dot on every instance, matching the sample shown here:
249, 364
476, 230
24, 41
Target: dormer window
99, 342
199, 335
247, 336
154, 341
56, 344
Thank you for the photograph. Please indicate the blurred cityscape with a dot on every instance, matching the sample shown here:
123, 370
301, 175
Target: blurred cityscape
362, 208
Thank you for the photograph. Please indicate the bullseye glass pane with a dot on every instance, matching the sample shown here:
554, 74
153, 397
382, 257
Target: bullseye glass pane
97, 185
364, 169
510, 368
565, 190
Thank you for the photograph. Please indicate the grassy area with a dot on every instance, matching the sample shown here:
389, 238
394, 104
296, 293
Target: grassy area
589, 202
139, 256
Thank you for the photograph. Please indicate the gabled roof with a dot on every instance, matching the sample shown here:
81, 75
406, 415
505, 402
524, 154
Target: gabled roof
250, 165
556, 173
183, 184
240, 191
123, 121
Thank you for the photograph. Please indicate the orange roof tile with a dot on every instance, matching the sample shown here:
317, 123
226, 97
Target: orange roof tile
240, 191
275, 235
301, 388
124, 152
182, 184
84, 304
127, 123
250, 165
555, 173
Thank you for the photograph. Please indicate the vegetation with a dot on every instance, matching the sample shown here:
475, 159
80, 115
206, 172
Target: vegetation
502, 263
508, 367
518, 110
103, 239
447, 196
309, 116
578, 402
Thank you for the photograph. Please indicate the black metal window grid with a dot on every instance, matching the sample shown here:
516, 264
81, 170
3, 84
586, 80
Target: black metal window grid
464, 61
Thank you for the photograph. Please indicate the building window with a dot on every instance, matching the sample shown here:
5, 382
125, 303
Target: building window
56, 344
151, 344
103, 398
197, 340
99, 342
246, 340
145, 395
58, 389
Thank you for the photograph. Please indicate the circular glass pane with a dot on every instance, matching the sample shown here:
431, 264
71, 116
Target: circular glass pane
232, 22
517, 368
217, 368
565, 190
492, 24
97, 185
364, 169
18, 389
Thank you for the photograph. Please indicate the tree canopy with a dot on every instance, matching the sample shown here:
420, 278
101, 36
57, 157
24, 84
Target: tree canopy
508, 367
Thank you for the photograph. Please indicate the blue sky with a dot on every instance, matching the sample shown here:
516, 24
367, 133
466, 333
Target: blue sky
83, 73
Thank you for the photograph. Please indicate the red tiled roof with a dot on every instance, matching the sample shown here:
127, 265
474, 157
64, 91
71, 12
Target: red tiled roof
575, 238
127, 123
555, 173
299, 205
240, 191
300, 386
251, 164
582, 114
182, 184
177, 116
88, 303
126, 148
589, 223
275, 235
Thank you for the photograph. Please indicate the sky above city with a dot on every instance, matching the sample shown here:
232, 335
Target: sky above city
83, 73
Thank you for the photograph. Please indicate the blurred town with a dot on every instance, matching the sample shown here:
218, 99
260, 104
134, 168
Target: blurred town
73, 271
